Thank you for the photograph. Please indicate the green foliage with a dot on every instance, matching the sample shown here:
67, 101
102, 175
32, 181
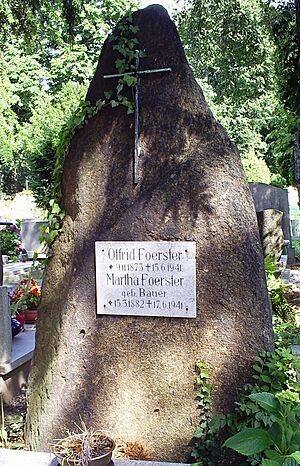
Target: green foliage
274, 375
9, 243
236, 52
256, 169
277, 291
281, 138
296, 245
281, 440
50, 199
286, 334
282, 19
41, 136
228, 46
47, 60
204, 441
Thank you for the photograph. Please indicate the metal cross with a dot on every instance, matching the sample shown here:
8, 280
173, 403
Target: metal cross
137, 73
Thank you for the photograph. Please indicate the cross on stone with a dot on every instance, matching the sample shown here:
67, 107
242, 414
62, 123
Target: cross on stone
137, 73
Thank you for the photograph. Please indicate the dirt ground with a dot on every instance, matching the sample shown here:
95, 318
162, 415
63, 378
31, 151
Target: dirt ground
14, 419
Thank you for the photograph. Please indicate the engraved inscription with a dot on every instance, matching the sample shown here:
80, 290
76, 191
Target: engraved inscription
146, 278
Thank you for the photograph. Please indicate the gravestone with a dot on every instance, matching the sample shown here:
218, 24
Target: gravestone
31, 236
5, 327
190, 220
1, 269
267, 197
271, 233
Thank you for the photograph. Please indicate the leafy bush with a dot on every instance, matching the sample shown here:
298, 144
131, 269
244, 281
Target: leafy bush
274, 373
277, 292
286, 334
256, 169
296, 245
10, 242
279, 443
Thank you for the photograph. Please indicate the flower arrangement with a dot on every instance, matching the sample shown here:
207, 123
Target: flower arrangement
26, 296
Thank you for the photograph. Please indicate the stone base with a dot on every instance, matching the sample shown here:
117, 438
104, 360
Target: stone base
14, 375
14, 382
30, 458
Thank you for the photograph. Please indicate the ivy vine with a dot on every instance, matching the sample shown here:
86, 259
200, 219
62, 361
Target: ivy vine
126, 45
205, 445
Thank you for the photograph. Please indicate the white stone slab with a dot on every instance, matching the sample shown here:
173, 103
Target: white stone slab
30, 458
26, 458
146, 278
22, 350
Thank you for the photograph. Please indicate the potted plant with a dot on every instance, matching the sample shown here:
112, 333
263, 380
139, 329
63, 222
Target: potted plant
89, 448
25, 300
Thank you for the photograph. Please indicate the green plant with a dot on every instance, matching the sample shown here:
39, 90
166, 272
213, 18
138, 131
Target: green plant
124, 42
278, 443
10, 242
205, 448
278, 291
272, 373
286, 334
28, 294
296, 245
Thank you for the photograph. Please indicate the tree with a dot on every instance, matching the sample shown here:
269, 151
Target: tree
285, 26
235, 52
49, 49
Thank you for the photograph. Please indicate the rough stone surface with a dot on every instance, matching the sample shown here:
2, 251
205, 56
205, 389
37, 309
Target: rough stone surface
135, 375
270, 197
271, 233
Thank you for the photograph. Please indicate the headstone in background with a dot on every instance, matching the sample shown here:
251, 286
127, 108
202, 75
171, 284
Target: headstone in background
270, 197
31, 236
1, 269
134, 375
271, 233
5, 327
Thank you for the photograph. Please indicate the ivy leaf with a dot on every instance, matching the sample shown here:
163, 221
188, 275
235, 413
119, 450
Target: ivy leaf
134, 29
120, 65
257, 368
114, 104
108, 94
130, 109
120, 86
55, 209
99, 104
129, 80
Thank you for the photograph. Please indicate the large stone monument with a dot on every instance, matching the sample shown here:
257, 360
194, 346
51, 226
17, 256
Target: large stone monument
129, 371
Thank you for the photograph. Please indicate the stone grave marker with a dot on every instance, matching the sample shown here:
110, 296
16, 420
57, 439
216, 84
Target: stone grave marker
271, 233
5, 327
267, 198
126, 372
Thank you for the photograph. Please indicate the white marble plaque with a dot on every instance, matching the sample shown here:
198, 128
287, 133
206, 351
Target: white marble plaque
146, 278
